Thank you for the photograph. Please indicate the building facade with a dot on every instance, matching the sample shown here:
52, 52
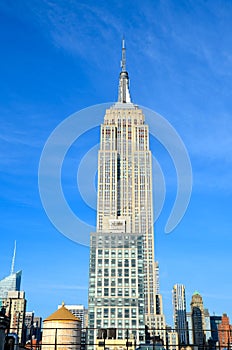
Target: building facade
214, 323
10, 283
116, 298
179, 313
124, 218
225, 333
198, 320
15, 306
32, 328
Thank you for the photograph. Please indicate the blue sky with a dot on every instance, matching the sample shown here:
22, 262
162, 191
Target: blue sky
58, 57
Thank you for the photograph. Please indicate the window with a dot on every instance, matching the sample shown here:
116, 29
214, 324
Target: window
133, 281
126, 292
119, 314
127, 313
126, 272
126, 281
126, 263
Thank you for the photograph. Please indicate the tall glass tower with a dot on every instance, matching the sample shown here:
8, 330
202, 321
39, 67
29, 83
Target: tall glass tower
179, 313
123, 272
11, 282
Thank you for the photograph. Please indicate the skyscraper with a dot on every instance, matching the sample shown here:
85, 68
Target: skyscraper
198, 320
179, 313
123, 280
11, 282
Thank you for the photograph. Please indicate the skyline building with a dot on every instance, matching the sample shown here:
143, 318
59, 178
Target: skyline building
32, 327
123, 279
179, 313
215, 320
15, 306
198, 320
11, 282
225, 333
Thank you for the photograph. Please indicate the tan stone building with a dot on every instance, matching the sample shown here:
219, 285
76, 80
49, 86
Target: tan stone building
61, 330
123, 278
15, 305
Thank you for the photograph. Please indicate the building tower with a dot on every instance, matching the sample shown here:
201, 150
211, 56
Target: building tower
198, 320
225, 333
15, 306
123, 273
11, 282
179, 313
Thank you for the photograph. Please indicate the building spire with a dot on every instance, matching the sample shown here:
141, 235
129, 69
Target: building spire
13, 260
123, 61
123, 89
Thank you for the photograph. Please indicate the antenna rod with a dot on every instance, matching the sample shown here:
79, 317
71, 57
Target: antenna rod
13, 259
123, 61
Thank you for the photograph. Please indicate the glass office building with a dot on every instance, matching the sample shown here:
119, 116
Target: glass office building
10, 283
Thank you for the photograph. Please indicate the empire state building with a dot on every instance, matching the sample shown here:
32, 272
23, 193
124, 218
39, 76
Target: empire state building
123, 278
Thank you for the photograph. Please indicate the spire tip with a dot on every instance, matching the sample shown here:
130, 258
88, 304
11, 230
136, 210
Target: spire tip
13, 259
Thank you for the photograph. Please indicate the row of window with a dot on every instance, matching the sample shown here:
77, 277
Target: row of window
119, 263
106, 282
118, 272
119, 252
116, 292
119, 313
100, 301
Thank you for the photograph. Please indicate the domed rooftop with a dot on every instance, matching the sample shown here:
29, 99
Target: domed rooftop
196, 293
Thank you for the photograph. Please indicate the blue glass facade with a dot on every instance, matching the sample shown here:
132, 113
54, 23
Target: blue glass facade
10, 283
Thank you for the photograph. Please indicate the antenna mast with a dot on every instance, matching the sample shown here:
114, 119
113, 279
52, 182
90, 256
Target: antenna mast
123, 61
